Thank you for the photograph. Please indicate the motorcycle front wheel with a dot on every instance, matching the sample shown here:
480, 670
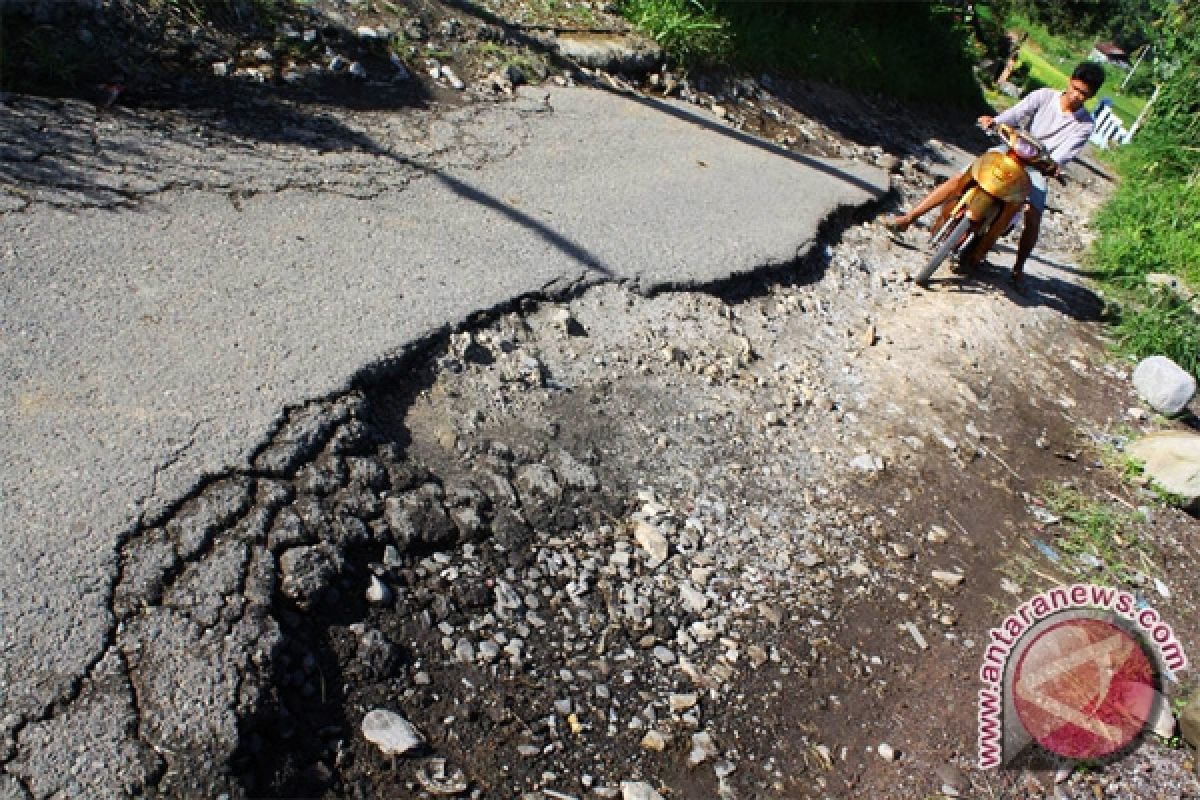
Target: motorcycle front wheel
944, 248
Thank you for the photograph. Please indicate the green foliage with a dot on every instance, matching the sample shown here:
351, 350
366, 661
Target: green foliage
690, 32
922, 51
38, 58
918, 51
1152, 223
1127, 22
1157, 322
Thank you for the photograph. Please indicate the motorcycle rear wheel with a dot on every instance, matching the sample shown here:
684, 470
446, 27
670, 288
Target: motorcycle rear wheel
944, 248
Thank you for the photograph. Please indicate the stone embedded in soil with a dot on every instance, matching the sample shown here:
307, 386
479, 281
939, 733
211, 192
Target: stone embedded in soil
1189, 721
651, 539
1172, 461
654, 740
683, 702
867, 463
947, 578
390, 732
378, 592
703, 749
953, 782
437, 779
937, 535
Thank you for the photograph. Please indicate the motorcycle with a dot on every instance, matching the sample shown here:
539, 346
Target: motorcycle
993, 192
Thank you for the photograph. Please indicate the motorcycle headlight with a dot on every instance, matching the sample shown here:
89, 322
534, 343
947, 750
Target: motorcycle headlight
1025, 148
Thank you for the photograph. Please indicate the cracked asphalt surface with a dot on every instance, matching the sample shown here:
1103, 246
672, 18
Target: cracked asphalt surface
169, 295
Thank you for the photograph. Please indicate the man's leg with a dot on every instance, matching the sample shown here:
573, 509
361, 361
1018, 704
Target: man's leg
1029, 237
1033, 223
940, 194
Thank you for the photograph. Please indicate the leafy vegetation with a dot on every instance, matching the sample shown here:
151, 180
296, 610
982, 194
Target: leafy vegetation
918, 51
1069, 23
1096, 529
689, 31
1152, 223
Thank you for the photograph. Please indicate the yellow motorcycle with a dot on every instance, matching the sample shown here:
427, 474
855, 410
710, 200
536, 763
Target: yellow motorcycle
991, 195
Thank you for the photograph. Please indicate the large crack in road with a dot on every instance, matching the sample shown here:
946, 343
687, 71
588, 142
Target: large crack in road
602, 537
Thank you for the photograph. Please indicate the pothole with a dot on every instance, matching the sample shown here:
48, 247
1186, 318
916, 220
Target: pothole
586, 530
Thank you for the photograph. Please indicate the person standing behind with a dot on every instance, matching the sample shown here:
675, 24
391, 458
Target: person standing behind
1060, 122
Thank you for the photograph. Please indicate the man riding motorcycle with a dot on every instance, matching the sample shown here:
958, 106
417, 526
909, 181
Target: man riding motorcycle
1060, 122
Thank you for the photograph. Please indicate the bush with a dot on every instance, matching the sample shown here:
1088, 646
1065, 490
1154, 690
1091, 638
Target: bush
688, 31
1152, 222
915, 51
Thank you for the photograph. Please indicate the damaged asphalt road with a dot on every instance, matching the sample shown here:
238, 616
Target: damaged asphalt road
174, 303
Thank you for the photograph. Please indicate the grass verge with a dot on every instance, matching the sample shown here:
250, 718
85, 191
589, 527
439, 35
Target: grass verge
1106, 534
689, 31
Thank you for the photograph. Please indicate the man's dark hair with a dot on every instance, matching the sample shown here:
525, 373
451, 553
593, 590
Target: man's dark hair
1090, 73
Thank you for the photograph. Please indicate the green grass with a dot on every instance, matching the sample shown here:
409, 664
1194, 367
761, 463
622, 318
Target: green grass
1098, 529
687, 30
1155, 322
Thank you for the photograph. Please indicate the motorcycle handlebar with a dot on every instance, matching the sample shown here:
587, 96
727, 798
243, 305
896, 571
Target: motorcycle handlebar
1006, 133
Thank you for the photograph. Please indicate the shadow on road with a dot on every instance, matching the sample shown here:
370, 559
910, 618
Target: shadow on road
1065, 297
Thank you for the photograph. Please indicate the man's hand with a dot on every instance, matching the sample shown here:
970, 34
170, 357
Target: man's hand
985, 122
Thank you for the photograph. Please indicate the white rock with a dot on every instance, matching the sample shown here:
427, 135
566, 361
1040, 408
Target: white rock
390, 732
489, 651
655, 741
947, 578
636, 790
664, 655
683, 702
452, 79
886, 751
378, 592
703, 748
1163, 384
867, 463
651, 539
694, 600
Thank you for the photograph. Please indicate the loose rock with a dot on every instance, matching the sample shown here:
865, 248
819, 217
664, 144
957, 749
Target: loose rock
1163, 384
390, 732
